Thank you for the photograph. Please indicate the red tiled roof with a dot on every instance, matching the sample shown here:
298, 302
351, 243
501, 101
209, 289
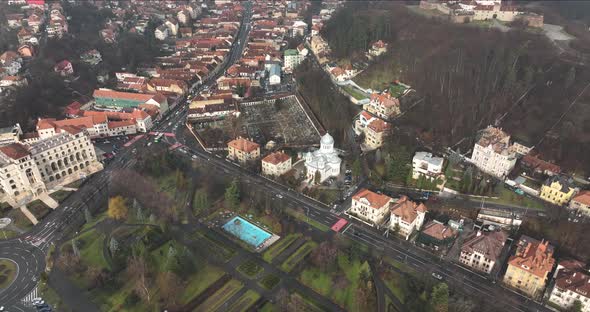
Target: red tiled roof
378, 125
15, 150
583, 198
276, 158
488, 243
385, 99
438, 231
407, 210
375, 200
122, 123
243, 145
533, 256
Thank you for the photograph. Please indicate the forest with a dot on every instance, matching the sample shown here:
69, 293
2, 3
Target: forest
469, 77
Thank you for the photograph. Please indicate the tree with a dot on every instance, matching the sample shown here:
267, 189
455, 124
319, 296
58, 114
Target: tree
317, 177
138, 272
169, 285
87, 215
201, 201
232, 195
356, 168
113, 246
440, 298
117, 208
325, 255
576, 306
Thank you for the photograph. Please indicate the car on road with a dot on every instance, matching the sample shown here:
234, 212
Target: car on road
437, 276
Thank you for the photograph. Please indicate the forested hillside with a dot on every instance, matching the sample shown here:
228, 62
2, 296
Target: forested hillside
469, 77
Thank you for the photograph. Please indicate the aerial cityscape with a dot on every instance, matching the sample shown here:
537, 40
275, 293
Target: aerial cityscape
294, 155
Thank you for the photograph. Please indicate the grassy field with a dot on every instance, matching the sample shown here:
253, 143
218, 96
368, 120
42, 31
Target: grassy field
324, 282
220, 297
268, 307
280, 246
354, 92
7, 272
6, 234
269, 281
213, 246
206, 275
302, 217
60, 195
91, 247
298, 255
250, 268
508, 197
397, 284
245, 301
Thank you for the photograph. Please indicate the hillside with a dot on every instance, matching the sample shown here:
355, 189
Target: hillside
470, 76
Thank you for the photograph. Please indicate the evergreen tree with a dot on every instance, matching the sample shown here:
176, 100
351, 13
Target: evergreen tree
232, 195
87, 215
440, 298
113, 246
75, 247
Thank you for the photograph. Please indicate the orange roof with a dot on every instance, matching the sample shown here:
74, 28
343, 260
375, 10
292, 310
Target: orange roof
366, 115
243, 145
125, 95
122, 123
407, 210
438, 231
378, 125
375, 200
385, 99
15, 150
533, 256
583, 198
276, 158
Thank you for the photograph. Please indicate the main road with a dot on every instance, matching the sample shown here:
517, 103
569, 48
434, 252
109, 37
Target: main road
29, 250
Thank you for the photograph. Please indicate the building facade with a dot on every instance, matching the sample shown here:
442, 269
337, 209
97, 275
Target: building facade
557, 190
375, 133
482, 249
276, 164
243, 150
493, 153
427, 165
407, 217
370, 207
529, 268
572, 283
383, 106
581, 203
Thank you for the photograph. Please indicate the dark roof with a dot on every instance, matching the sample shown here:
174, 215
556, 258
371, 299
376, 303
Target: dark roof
562, 180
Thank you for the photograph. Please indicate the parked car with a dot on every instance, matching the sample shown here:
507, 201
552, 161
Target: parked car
437, 276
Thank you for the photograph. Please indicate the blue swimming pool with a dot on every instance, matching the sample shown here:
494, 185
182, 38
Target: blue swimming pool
246, 231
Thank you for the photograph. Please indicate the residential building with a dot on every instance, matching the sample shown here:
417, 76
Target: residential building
11, 62
167, 86
383, 106
212, 108
437, 235
276, 164
572, 283
375, 133
407, 217
10, 135
243, 150
370, 207
427, 165
557, 190
539, 166
493, 152
64, 68
325, 160
377, 48
529, 268
120, 100
292, 59
91, 57
481, 250
161, 32
581, 203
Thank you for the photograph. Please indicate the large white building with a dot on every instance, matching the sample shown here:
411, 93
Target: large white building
493, 152
572, 282
426, 164
370, 207
325, 160
27, 171
407, 217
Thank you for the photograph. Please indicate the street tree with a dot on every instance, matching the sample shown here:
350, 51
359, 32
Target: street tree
117, 208
440, 298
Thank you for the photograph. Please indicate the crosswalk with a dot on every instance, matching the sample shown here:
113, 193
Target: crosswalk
28, 299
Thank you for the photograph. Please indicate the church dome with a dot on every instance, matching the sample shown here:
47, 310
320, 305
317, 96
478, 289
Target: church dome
327, 139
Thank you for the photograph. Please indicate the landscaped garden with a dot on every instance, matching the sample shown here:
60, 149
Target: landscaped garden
269, 281
217, 300
280, 246
60, 195
298, 256
354, 92
244, 303
7, 272
250, 268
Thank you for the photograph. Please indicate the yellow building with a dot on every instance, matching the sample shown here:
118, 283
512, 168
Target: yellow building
243, 150
375, 132
276, 164
557, 190
529, 267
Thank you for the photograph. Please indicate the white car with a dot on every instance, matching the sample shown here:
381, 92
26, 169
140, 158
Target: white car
437, 276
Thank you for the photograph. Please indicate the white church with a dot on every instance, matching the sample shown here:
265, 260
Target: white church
325, 160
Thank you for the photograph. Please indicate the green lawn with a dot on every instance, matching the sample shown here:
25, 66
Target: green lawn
396, 90
212, 245
397, 284
91, 247
7, 272
302, 217
278, 247
325, 282
76, 184
220, 297
298, 255
6, 234
269, 281
206, 275
268, 307
509, 197
354, 92
245, 301
250, 268
39, 209
60, 195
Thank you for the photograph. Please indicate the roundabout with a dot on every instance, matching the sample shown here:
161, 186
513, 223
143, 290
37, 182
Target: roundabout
8, 272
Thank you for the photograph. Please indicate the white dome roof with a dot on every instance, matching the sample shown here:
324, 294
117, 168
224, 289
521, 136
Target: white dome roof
327, 139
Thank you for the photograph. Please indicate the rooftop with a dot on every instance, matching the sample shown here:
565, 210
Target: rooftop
276, 158
243, 145
533, 256
375, 200
583, 198
407, 210
438, 230
488, 243
494, 137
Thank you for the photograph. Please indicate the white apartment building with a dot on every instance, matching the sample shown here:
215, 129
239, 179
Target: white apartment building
407, 217
425, 164
27, 171
481, 250
276, 164
292, 59
10, 134
370, 207
493, 152
572, 282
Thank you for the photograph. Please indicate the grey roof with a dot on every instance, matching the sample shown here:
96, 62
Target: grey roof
563, 181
